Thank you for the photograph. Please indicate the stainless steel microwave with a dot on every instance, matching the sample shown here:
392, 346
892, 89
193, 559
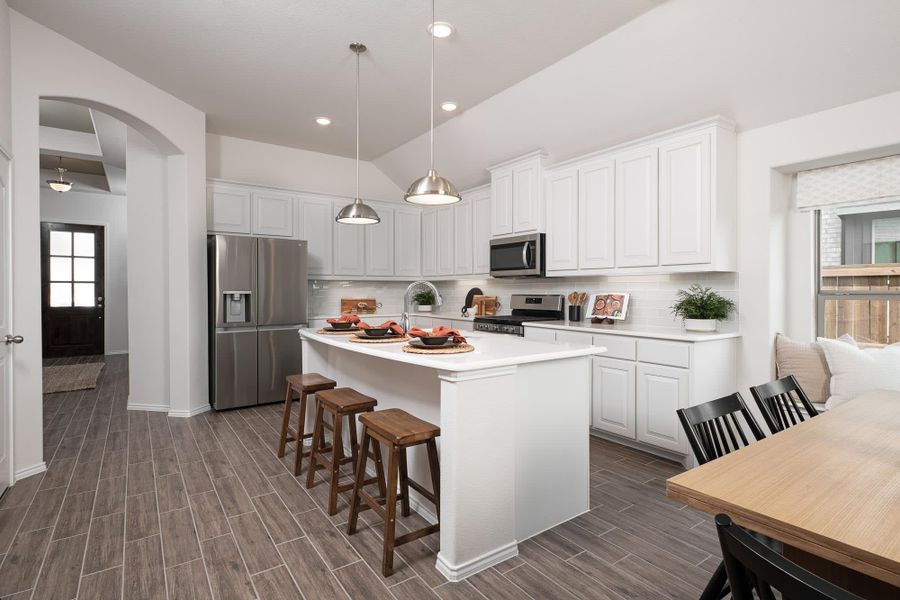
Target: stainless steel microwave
519, 256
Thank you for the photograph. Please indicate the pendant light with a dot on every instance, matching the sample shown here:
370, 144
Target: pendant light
432, 189
357, 212
59, 184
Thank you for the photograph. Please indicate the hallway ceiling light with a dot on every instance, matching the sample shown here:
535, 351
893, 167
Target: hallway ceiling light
357, 212
448, 106
59, 184
440, 29
432, 189
323, 121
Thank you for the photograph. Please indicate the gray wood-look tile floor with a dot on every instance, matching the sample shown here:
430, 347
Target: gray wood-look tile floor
138, 505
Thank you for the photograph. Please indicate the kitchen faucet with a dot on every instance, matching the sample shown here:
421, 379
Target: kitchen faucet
404, 319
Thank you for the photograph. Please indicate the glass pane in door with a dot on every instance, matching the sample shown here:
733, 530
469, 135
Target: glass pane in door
84, 294
60, 294
61, 243
83, 244
60, 268
84, 269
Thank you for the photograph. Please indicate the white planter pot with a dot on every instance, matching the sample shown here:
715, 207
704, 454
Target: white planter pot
706, 325
424, 308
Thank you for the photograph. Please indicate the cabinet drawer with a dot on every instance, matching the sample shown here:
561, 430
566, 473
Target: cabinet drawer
659, 352
573, 337
617, 346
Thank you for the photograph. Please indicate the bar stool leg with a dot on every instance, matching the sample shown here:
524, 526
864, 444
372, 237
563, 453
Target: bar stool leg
286, 419
435, 468
387, 564
316, 443
301, 433
404, 485
379, 467
357, 482
337, 453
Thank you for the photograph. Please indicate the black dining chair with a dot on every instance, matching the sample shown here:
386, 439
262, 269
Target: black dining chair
751, 565
783, 403
714, 429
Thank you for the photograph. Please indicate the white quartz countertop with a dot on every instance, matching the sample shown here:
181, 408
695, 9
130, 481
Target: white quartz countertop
491, 350
454, 315
660, 333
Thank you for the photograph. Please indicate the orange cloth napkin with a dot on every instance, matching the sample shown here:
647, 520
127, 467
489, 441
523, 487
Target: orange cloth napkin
345, 318
438, 331
392, 325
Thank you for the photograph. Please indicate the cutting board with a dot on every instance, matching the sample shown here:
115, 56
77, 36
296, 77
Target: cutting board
485, 305
359, 306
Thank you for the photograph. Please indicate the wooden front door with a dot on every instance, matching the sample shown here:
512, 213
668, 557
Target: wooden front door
72, 260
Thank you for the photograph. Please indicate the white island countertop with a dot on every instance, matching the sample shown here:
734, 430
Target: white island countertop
491, 350
659, 333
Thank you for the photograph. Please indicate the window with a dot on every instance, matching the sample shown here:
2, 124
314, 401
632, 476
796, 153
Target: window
859, 273
71, 269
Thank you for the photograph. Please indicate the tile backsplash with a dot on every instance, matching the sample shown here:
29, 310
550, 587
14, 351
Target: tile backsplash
651, 295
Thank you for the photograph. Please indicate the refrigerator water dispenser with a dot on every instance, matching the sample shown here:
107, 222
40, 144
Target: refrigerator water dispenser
237, 306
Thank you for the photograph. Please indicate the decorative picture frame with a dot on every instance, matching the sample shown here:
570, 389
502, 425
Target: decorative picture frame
608, 305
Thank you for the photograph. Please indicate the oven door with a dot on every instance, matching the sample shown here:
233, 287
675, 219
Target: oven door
520, 256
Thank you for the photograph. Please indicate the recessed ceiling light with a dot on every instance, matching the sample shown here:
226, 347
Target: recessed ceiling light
323, 120
440, 29
448, 106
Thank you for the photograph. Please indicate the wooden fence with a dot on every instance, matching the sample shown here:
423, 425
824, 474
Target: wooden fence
869, 320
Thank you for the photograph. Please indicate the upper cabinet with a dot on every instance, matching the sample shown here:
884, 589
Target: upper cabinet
445, 239
380, 243
685, 209
637, 209
562, 220
481, 230
273, 214
349, 245
429, 242
407, 242
462, 240
316, 225
227, 209
597, 210
517, 196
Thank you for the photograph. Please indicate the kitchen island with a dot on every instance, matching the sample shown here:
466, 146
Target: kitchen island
514, 417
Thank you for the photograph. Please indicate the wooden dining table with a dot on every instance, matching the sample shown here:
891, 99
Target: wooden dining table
827, 488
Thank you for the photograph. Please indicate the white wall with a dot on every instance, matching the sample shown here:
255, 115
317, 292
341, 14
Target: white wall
5, 78
108, 210
179, 131
247, 161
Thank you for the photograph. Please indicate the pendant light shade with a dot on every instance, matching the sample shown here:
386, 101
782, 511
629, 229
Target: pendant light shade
432, 189
357, 212
59, 184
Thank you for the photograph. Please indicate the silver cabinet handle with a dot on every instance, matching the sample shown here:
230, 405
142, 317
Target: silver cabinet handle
13, 339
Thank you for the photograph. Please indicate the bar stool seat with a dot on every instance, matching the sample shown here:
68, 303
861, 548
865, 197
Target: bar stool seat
346, 400
311, 382
304, 385
399, 431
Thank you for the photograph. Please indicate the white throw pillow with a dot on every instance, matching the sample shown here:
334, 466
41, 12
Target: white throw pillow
858, 370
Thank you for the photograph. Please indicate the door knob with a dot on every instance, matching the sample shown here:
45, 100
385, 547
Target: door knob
13, 339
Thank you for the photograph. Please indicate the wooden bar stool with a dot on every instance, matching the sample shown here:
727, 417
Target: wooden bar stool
340, 403
400, 431
306, 384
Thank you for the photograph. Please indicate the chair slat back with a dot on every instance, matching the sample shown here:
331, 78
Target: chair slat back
750, 565
783, 403
714, 428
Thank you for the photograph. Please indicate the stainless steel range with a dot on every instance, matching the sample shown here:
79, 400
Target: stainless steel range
525, 308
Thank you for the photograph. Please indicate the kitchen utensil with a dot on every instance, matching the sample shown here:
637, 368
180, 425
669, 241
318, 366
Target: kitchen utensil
488, 305
359, 306
575, 312
470, 296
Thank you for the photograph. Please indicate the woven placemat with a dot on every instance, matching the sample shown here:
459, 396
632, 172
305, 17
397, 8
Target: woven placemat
337, 331
376, 340
452, 350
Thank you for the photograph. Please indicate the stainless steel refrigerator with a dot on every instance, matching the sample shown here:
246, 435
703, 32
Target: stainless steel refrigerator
257, 301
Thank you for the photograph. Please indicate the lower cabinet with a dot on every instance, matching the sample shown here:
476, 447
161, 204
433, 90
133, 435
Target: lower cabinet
660, 392
613, 401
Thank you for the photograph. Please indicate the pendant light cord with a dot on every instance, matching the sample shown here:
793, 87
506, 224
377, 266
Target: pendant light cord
431, 106
357, 124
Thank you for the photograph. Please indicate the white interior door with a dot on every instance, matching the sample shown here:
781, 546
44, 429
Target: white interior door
6, 338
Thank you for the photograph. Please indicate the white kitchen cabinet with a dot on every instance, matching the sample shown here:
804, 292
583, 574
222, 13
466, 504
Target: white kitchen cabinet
637, 208
462, 240
502, 202
517, 195
539, 334
481, 232
349, 246
562, 220
316, 227
227, 209
613, 398
429, 242
273, 213
685, 209
597, 215
379, 256
407, 242
445, 240
660, 392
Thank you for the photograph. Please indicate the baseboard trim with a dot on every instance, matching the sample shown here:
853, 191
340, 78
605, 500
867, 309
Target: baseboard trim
476, 565
116, 352
32, 470
183, 414
664, 454
148, 407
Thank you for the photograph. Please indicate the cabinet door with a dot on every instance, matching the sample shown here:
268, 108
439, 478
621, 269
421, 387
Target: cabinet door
227, 209
597, 210
660, 392
462, 239
501, 203
429, 242
527, 194
349, 242
316, 227
539, 334
684, 201
273, 214
562, 220
637, 209
408, 242
612, 401
380, 244
445, 240
482, 234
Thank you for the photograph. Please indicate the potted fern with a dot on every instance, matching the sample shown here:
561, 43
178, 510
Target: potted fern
424, 300
702, 308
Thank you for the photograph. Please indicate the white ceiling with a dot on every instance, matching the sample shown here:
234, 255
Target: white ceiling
264, 69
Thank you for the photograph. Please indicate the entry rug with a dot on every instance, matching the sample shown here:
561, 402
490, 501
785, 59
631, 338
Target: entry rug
68, 378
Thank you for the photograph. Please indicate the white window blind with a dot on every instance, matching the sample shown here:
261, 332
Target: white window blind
859, 183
